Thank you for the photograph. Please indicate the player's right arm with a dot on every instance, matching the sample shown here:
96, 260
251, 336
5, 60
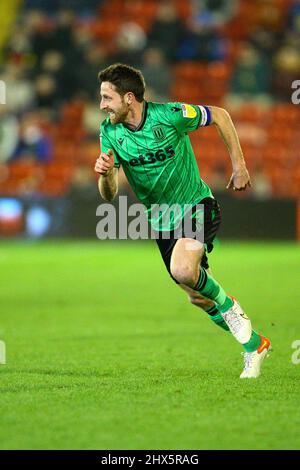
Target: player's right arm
108, 179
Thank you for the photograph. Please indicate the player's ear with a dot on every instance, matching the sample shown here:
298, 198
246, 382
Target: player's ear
128, 98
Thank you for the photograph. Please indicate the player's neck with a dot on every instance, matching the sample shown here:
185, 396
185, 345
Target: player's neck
135, 115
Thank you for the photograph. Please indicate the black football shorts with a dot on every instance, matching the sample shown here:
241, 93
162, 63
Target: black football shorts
212, 220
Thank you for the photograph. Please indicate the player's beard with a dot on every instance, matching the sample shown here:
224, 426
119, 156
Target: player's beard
119, 115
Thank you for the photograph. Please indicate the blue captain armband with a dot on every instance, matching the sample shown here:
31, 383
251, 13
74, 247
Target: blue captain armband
205, 116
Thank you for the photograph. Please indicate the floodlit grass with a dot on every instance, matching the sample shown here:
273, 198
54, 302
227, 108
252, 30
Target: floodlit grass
105, 352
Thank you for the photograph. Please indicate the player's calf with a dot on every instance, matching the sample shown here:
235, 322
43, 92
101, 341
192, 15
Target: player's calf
206, 305
201, 302
184, 274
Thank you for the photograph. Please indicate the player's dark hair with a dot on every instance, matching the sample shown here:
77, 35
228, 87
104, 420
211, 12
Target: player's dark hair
125, 78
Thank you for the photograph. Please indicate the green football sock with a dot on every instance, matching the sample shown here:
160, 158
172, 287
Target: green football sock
216, 317
210, 288
253, 342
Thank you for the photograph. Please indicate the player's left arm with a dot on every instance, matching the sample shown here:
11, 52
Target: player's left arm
240, 178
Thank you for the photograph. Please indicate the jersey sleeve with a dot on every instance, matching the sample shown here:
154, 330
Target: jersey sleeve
188, 117
106, 144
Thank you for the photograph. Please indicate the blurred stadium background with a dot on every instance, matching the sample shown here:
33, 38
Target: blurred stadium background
242, 55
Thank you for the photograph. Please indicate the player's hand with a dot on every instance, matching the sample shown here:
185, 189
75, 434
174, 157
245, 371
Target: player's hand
105, 163
239, 180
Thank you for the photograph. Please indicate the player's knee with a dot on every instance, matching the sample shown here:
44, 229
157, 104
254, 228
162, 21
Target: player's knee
184, 274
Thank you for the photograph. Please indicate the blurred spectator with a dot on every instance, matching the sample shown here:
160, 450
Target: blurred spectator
32, 140
92, 117
48, 35
47, 94
40, 34
62, 33
52, 66
130, 43
294, 16
82, 38
86, 76
261, 184
203, 44
74, 55
157, 73
167, 31
266, 42
18, 46
269, 15
19, 90
251, 78
211, 13
203, 38
9, 130
287, 69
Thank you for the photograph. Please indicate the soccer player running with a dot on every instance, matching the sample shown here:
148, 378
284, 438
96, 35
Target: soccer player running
150, 141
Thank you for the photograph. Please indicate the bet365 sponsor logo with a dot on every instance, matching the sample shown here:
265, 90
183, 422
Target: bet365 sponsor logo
296, 354
2, 353
2, 92
296, 93
151, 157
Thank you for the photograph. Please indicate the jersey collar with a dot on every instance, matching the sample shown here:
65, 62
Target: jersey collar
143, 120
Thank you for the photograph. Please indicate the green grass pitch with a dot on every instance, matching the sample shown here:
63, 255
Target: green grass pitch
105, 352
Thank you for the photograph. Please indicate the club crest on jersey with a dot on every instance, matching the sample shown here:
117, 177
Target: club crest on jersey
188, 111
159, 133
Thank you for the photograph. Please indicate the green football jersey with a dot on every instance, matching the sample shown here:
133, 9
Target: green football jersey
158, 159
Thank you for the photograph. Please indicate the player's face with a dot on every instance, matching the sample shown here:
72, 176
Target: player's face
113, 103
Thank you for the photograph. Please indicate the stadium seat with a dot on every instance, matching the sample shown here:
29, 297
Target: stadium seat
112, 8
282, 136
106, 29
59, 171
23, 169
286, 114
180, 92
65, 151
190, 70
71, 113
184, 9
254, 113
88, 152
